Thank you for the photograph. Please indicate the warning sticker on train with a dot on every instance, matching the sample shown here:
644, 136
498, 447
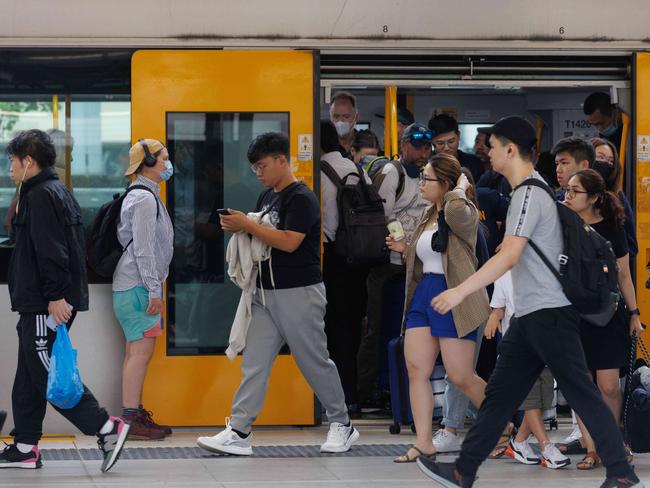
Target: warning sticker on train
643, 149
305, 147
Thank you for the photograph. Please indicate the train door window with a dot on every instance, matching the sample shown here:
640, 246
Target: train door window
211, 172
468, 134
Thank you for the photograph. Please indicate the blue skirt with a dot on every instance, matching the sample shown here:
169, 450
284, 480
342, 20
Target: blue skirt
421, 314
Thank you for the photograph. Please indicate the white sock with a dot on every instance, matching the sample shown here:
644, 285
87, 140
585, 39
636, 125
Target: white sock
24, 448
107, 427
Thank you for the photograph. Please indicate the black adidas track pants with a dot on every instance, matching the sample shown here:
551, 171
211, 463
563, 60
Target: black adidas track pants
35, 342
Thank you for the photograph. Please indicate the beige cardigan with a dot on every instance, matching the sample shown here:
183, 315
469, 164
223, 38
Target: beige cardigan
458, 261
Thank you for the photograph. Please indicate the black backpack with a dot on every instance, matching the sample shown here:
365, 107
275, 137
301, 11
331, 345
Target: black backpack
373, 165
361, 234
588, 268
103, 248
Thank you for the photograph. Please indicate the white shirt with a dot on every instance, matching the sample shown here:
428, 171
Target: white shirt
431, 260
503, 296
330, 210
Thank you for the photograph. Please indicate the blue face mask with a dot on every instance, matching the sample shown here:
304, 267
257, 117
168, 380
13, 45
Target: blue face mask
609, 132
168, 171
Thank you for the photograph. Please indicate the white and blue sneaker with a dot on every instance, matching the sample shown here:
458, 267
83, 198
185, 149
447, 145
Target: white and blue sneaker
340, 438
227, 442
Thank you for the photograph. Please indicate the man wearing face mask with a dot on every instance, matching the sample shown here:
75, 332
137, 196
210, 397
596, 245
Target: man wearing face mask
47, 287
146, 232
605, 118
398, 185
344, 116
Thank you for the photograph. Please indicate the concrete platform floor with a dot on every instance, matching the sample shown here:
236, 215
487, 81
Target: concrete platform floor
319, 472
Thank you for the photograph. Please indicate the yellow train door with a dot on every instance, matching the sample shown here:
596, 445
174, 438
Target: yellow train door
207, 106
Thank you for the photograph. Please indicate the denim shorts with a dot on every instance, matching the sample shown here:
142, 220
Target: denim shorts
421, 314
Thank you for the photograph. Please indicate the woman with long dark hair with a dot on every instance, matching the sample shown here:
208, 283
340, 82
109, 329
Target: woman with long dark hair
606, 348
608, 164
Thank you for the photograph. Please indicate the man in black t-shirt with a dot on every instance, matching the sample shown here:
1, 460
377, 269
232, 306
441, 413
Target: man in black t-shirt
288, 305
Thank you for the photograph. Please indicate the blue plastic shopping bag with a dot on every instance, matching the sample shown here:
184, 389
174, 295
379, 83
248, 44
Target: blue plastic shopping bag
64, 385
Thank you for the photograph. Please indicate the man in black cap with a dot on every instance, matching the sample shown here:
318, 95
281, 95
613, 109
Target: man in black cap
398, 185
446, 139
543, 331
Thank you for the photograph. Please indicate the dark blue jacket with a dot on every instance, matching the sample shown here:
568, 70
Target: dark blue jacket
493, 208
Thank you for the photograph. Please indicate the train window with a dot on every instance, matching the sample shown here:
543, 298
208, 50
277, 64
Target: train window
211, 172
468, 133
100, 137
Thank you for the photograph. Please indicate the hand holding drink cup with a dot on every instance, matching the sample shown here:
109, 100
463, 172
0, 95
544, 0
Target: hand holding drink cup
395, 240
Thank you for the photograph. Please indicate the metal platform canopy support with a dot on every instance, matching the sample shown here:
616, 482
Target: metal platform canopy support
641, 173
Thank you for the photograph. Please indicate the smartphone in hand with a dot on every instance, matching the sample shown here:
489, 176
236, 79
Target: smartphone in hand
223, 211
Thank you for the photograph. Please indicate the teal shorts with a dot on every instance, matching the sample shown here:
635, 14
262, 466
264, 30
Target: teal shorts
130, 307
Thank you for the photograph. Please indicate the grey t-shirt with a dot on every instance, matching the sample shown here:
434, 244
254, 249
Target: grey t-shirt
532, 214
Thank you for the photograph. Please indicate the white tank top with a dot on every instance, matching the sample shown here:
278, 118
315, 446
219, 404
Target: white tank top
431, 260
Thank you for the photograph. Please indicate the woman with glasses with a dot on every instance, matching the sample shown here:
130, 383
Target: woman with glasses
606, 348
608, 165
441, 254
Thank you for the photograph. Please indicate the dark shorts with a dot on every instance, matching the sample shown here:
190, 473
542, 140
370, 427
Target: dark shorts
421, 314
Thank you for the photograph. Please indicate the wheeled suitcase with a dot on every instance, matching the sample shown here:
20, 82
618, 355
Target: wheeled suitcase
399, 387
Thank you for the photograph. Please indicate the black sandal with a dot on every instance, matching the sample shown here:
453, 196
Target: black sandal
405, 458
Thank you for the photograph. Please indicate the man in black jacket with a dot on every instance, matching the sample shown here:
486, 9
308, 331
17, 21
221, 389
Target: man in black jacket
47, 276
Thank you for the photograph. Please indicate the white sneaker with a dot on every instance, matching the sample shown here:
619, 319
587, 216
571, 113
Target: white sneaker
340, 438
553, 458
445, 441
575, 435
522, 452
227, 442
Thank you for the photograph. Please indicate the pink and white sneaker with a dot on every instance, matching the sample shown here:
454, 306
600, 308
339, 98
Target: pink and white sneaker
11, 457
111, 444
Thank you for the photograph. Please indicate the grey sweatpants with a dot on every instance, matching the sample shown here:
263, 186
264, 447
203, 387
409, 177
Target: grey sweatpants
293, 316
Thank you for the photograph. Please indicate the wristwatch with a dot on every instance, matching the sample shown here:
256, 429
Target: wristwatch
636, 311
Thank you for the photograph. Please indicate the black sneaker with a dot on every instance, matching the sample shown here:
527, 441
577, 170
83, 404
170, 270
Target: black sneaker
630, 480
3, 417
11, 457
111, 444
444, 474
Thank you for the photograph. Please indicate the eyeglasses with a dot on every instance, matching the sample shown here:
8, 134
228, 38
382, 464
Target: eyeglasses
448, 143
258, 167
424, 178
572, 192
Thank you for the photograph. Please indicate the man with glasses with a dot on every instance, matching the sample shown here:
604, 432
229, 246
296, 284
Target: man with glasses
288, 303
446, 139
397, 184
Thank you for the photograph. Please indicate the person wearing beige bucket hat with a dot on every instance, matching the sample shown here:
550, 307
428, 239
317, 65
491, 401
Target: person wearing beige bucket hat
146, 234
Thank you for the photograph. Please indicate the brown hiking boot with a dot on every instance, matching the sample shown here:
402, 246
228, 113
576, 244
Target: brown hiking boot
141, 431
146, 417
